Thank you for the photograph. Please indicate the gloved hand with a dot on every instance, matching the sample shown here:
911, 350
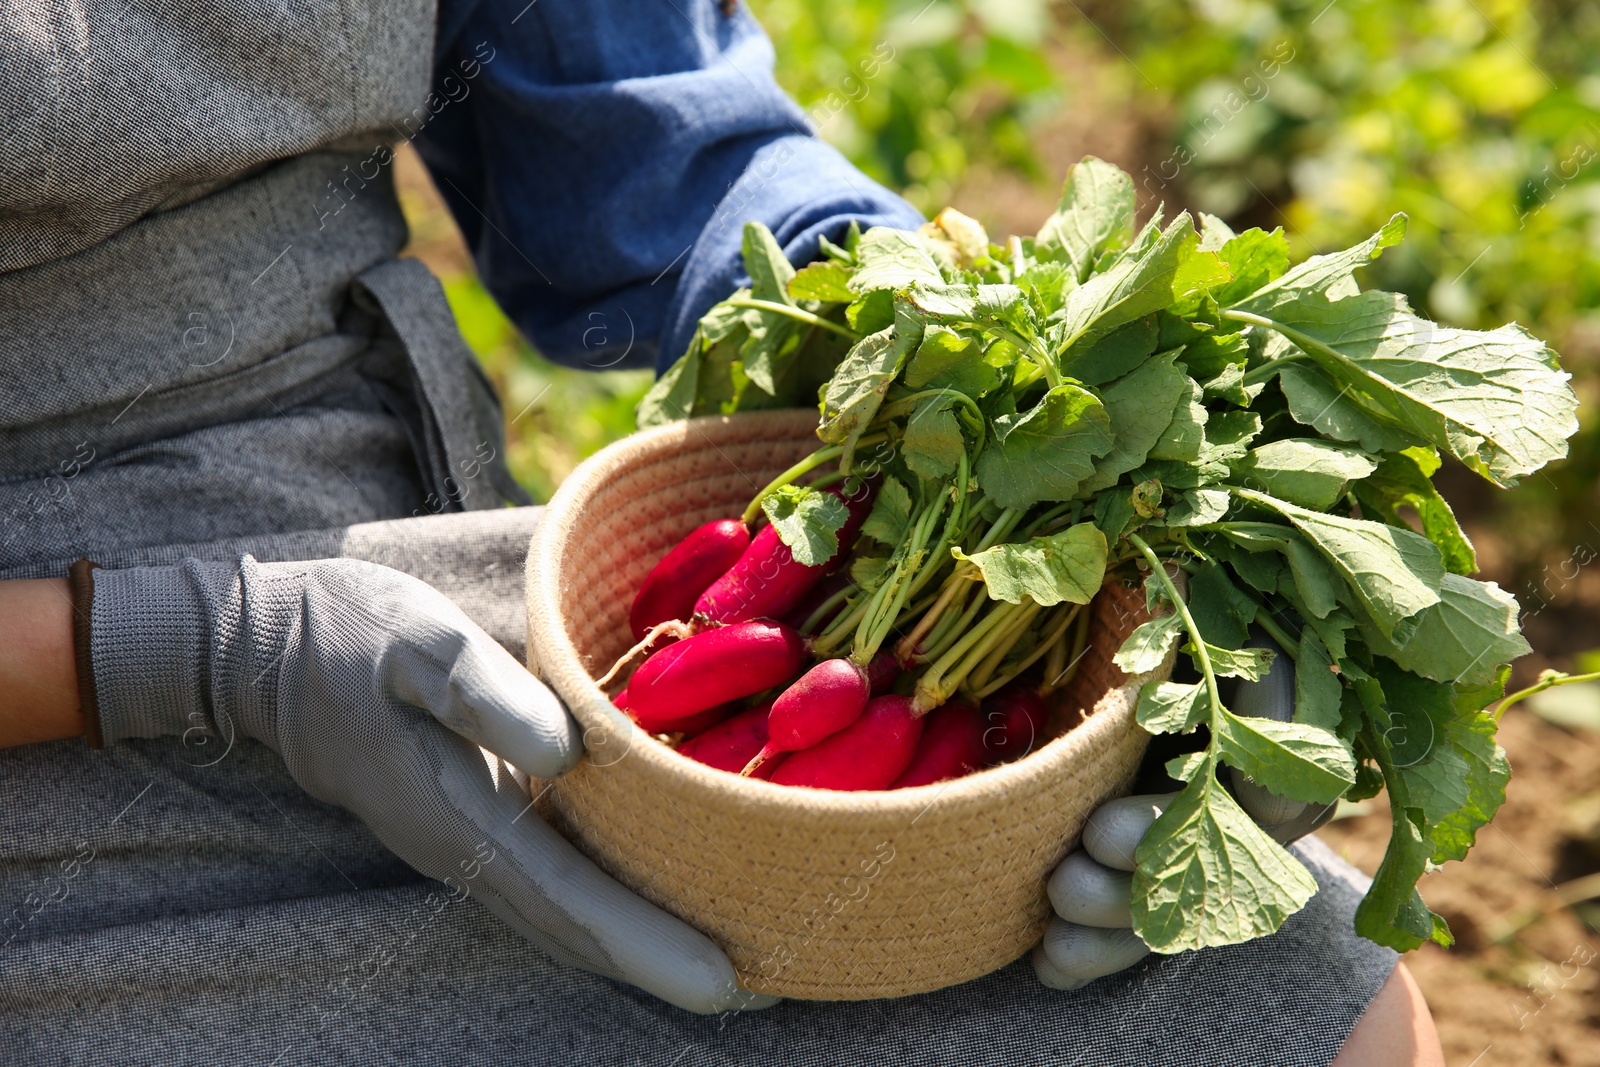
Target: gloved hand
1091, 890
378, 692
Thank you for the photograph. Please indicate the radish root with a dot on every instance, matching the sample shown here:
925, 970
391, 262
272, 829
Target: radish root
670, 628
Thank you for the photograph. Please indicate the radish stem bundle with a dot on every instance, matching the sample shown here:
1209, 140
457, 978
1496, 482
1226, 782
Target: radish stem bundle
1111, 402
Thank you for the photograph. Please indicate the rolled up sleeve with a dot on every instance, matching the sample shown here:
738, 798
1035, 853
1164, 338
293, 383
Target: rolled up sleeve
603, 156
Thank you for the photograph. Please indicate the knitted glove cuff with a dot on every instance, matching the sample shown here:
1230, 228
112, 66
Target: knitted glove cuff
175, 651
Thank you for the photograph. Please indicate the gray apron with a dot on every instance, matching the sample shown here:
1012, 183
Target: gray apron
207, 347
199, 292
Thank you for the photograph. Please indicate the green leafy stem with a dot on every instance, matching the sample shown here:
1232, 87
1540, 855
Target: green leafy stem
961, 580
907, 404
1005, 623
885, 605
1547, 680
1202, 656
1034, 351
799, 314
1308, 344
810, 463
914, 564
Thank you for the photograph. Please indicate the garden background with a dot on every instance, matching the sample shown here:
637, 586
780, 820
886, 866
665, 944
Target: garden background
1478, 118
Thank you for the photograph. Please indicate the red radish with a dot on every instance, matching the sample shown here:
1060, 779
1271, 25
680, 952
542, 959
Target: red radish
731, 744
728, 746
701, 721
767, 581
689, 724
825, 700
882, 673
1016, 718
951, 746
673, 585
870, 753
711, 668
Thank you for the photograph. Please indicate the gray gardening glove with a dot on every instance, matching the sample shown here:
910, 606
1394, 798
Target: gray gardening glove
378, 692
1091, 890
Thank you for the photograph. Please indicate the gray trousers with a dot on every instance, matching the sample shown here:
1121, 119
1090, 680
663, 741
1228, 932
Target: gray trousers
161, 910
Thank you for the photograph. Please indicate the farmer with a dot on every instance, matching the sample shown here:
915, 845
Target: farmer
282, 842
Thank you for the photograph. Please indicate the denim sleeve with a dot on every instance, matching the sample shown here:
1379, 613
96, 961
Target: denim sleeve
603, 156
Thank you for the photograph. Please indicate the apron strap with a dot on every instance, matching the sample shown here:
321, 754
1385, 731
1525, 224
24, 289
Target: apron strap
457, 428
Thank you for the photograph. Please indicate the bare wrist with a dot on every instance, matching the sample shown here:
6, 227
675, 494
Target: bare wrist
39, 698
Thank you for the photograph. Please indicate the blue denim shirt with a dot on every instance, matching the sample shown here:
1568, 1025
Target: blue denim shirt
603, 156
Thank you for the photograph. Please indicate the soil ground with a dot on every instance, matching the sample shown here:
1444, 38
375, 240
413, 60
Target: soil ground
1520, 985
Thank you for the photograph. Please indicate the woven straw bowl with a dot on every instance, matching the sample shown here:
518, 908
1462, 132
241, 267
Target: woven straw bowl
813, 894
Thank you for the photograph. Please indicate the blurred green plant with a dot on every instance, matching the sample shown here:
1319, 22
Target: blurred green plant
1478, 118
913, 92
555, 416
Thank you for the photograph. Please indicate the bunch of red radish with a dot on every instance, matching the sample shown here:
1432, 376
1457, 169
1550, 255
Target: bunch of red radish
733, 678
